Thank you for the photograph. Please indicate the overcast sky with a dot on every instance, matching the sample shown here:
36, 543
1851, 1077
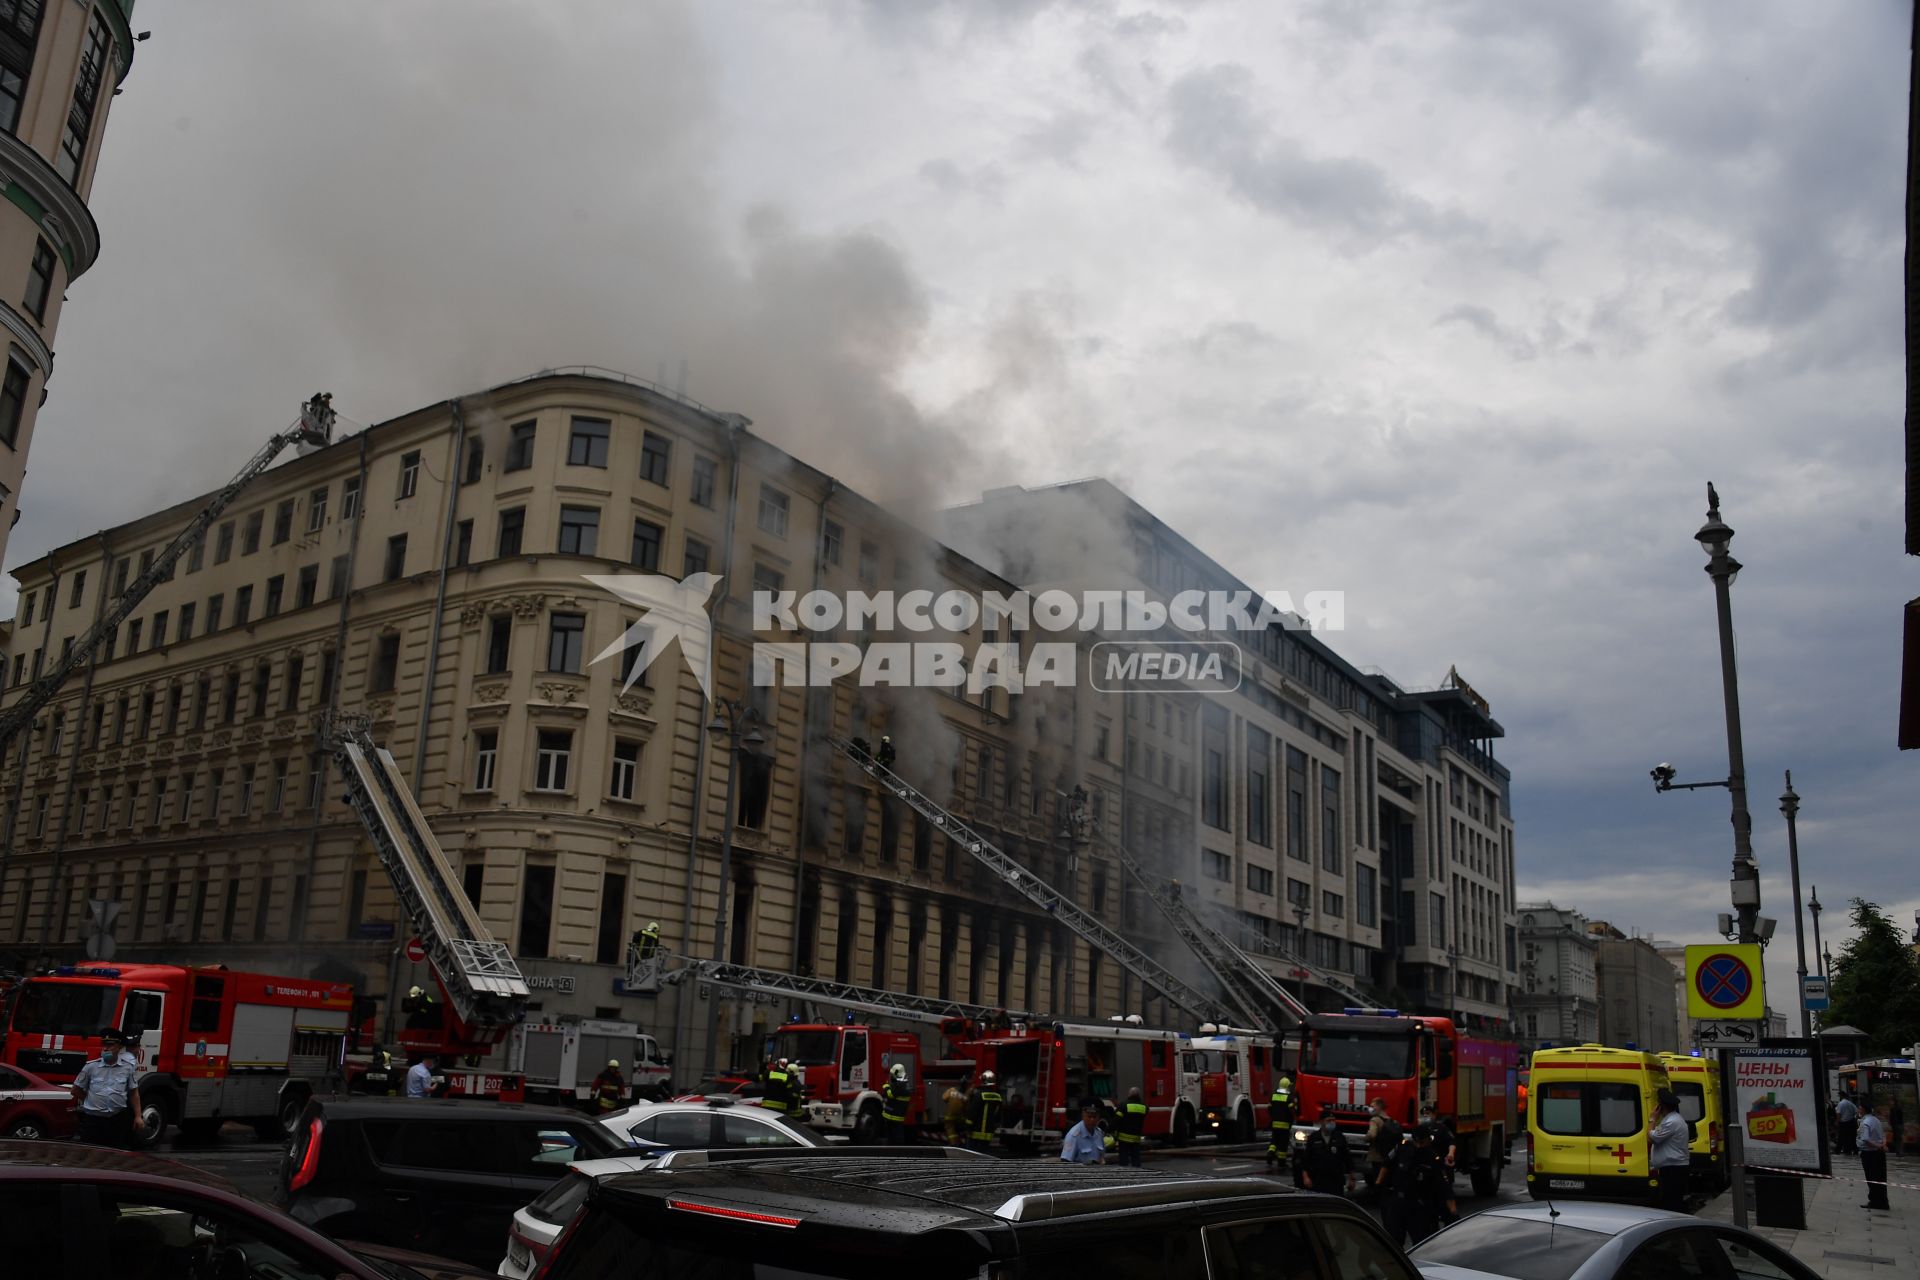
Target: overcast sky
1455, 307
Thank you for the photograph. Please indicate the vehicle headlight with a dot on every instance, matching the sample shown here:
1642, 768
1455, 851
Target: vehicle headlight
1301, 1135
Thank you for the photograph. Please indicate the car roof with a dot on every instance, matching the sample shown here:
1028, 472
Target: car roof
478, 1110
1603, 1216
34, 1159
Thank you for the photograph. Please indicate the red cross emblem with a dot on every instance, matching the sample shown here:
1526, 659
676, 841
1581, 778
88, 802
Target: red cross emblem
1621, 1153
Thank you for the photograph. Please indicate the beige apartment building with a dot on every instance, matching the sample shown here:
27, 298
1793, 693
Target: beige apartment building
60, 67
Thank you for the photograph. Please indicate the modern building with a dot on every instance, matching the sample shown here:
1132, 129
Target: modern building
1558, 998
1636, 986
60, 67
1315, 803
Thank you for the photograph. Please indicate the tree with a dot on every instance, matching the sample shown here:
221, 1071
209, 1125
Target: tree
1876, 983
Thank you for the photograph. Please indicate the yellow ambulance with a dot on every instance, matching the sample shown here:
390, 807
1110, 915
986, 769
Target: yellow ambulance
1697, 1082
1588, 1109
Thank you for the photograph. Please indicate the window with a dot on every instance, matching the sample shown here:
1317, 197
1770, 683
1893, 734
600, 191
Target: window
773, 511
202, 701
610, 938
554, 760
656, 452
247, 775
262, 681
40, 279
696, 558
646, 546
223, 544
386, 664
1260, 879
476, 461
566, 636
79, 588
277, 797
1299, 893
276, 588
296, 676
250, 532
337, 578
1213, 766
520, 447
159, 629
463, 544
706, 474
1332, 904
1436, 920
133, 636
350, 498
486, 754
579, 531
767, 578
587, 443
187, 611
1366, 895
1332, 853
1218, 866
832, 536
86, 95
197, 556
869, 560
13, 396
303, 594
409, 473
218, 793
176, 701
317, 509
214, 605
19, 36
396, 566
230, 699
536, 919
1587, 1108
513, 522
1259, 776
499, 642
626, 768
26, 610
328, 665
633, 658
283, 521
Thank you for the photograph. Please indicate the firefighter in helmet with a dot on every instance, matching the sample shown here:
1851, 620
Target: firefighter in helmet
983, 1112
609, 1088
884, 756
1279, 1121
649, 941
896, 1100
775, 1088
423, 1014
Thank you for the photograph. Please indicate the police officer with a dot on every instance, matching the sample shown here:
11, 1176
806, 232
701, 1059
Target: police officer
1446, 1149
1133, 1128
1413, 1186
108, 1091
1279, 1121
896, 1099
1328, 1160
609, 1088
983, 1112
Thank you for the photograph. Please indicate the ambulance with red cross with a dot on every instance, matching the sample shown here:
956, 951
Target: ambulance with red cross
1588, 1108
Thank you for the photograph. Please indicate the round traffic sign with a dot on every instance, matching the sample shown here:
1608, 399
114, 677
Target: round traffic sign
1724, 981
416, 950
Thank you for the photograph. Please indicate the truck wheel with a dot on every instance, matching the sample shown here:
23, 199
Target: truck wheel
1243, 1130
1182, 1127
866, 1126
156, 1113
1486, 1178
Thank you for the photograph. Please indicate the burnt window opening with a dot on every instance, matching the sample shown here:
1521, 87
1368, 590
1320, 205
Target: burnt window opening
756, 786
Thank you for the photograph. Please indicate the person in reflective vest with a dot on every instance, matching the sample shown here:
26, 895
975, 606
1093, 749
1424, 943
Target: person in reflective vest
796, 1090
896, 1100
773, 1093
610, 1088
1133, 1128
648, 940
1279, 1121
983, 1112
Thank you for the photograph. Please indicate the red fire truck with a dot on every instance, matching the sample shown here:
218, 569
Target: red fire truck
842, 1069
1047, 1075
215, 1045
1229, 1078
1350, 1059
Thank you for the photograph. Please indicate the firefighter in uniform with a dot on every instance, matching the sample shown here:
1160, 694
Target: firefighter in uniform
955, 1118
983, 1112
775, 1087
1133, 1128
609, 1088
885, 755
1279, 1121
896, 1101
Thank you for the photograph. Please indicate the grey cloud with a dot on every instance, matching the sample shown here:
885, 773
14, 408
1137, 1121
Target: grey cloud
1060, 138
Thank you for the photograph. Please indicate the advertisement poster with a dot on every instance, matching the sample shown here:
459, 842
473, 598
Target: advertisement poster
1776, 1099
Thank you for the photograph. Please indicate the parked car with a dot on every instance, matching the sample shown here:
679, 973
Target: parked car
736, 1086
711, 1123
1590, 1240
436, 1175
823, 1212
78, 1212
34, 1108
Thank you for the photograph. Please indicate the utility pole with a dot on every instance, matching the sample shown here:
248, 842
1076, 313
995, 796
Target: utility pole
1790, 806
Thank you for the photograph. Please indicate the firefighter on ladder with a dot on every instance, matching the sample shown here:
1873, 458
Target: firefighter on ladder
648, 941
884, 757
896, 1101
1279, 1121
983, 1112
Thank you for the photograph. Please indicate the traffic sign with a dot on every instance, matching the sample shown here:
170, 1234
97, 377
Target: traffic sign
1813, 993
1717, 1033
1724, 982
416, 950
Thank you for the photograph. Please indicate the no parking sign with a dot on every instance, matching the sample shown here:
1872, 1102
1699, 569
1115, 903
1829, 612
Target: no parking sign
1724, 982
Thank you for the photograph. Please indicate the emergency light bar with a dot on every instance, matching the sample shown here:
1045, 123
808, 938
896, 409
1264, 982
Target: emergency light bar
1377, 1013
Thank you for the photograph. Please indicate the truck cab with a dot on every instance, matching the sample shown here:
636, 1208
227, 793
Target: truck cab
1229, 1076
841, 1070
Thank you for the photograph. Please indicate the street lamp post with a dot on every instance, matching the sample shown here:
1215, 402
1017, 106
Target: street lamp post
1790, 806
1813, 909
735, 722
1715, 536
1300, 914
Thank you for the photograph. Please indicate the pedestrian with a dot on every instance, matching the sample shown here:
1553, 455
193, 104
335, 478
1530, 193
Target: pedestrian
1279, 1121
1383, 1137
1896, 1126
1846, 1121
1872, 1139
1412, 1188
863, 748
609, 1088
896, 1101
1668, 1159
1447, 1148
983, 1112
1083, 1143
419, 1076
885, 755
108, 1091
1328, 1160
1133, 1129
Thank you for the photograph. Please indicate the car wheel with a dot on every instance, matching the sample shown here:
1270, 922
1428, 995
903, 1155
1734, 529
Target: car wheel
29, 1129
1182, 1127
866, 1126
1243, 1130
1486, 1178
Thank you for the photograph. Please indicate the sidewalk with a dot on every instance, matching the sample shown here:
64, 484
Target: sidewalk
1843, 1241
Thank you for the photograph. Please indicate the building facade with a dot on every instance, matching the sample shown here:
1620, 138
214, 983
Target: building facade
1558, 998
60, 67
1636, 985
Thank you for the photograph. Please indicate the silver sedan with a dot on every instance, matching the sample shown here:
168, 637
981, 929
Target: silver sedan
1592, 1240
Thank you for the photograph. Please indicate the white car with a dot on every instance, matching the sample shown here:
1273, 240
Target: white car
536, 1226
715, 1124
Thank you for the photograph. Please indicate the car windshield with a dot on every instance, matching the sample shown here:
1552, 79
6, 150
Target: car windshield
1517, 1247
64, 1008
1693, 1104
808, 1048
1362, 1055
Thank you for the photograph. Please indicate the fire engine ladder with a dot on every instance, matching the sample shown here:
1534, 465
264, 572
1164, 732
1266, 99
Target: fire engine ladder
1260, 999
1036, 890
869, 1000
1266, 948
314, 427
482, 979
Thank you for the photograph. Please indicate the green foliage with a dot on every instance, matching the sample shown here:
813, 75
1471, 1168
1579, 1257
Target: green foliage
1876, 983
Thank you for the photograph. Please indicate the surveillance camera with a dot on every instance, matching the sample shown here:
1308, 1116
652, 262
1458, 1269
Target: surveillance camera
1663, 772
1725, 922
1767, 924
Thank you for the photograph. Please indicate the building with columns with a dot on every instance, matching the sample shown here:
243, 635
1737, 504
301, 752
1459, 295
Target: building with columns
60, 66
1558, 999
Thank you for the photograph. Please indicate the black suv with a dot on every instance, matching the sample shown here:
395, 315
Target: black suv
823, 1214
439, 1176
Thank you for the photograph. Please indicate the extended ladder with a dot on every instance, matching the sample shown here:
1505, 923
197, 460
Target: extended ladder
482, 980
1266, 947
870, 1000
1034, 889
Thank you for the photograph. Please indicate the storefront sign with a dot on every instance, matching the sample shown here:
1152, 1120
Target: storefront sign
550, 982
1777, 1098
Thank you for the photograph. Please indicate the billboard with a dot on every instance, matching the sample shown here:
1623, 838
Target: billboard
1778, 1099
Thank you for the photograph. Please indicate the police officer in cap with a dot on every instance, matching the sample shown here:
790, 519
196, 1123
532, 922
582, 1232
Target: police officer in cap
108, 1091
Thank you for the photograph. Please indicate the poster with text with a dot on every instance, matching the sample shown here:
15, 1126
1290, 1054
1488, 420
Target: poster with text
1776, 1100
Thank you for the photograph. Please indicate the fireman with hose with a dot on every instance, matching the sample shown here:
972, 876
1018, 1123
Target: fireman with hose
1279, 1121
896, 1101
